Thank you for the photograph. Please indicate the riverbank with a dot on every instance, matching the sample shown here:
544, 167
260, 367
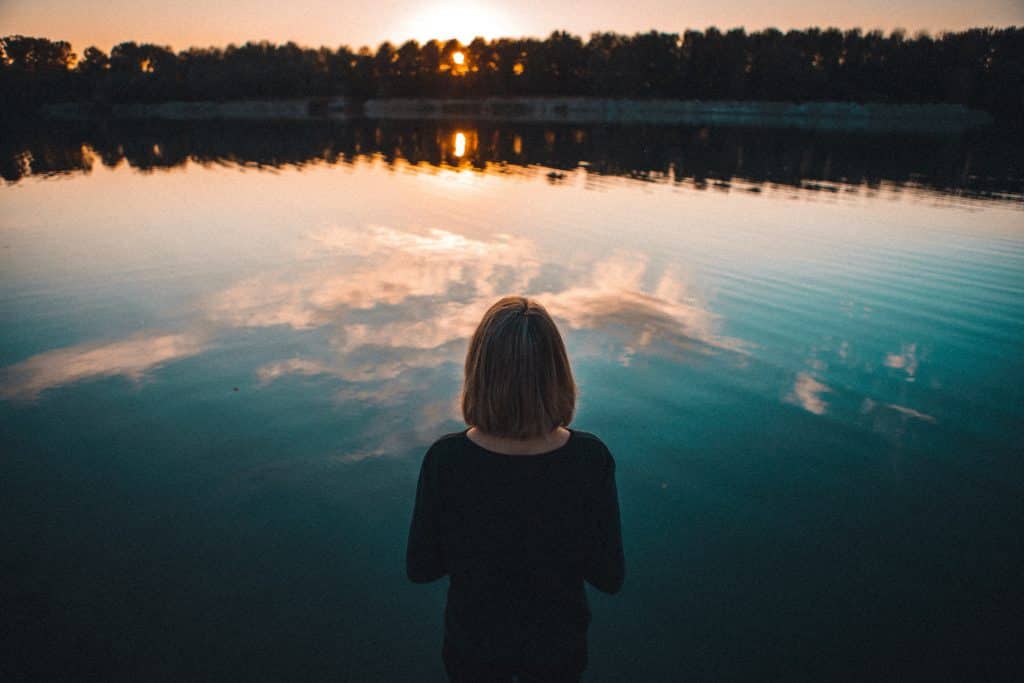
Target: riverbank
581, 110
815, 115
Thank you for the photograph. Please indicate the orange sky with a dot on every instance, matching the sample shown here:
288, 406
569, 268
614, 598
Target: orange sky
332, 22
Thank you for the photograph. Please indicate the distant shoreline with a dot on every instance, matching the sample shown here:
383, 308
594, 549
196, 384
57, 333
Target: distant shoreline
570, 110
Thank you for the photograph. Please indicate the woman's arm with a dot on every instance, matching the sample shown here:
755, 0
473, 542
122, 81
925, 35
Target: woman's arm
605, 565
424, 561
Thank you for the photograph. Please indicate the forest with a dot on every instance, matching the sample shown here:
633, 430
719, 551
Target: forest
981, 68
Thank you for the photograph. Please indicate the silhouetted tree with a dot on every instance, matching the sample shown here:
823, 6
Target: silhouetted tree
981, 67
35, 70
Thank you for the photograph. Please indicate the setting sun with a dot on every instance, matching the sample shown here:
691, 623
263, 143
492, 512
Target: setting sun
458, 58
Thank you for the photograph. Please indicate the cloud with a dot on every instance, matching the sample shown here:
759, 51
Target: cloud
807, 393
361, 269
400, 307
906, 360
447, 322
430, 333
131, 357
614, 300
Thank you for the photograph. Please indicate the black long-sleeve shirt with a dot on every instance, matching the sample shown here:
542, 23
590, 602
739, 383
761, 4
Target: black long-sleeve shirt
517, 535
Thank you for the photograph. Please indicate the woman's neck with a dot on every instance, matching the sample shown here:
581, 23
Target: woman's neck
532, 446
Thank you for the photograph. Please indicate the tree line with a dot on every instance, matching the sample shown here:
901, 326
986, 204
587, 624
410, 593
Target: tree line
980, 67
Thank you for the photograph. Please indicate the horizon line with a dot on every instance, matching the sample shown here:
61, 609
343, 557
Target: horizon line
908, 34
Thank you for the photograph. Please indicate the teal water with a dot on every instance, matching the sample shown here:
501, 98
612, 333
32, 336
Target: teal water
218, 376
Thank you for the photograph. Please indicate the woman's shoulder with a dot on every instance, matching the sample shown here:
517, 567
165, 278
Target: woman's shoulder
447, 442
589, 439
449, 437
594, 449
586, 444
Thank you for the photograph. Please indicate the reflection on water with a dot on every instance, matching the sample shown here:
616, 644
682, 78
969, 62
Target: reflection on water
808, 393
977, 163
393, 302
413, 300
131, 358
216, 386
614, 301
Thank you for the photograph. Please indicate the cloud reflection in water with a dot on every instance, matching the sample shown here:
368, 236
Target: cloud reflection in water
615, 302
371, 267
429, 290
397, 308
808, 393
132, 357
401, 315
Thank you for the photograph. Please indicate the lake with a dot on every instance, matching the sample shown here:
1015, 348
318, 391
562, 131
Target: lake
225, 348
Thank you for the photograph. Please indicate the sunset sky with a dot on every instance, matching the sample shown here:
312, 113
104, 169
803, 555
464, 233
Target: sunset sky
184, 23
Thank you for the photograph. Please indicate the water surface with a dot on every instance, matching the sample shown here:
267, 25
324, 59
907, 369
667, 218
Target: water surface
224, 350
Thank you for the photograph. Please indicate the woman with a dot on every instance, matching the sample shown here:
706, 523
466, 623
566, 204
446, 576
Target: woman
517, 509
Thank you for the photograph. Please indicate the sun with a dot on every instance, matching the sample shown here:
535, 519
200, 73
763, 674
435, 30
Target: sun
463, 21
458, 58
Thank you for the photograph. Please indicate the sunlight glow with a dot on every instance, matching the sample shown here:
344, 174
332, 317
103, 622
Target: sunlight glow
463, 21
460, 145
458, 58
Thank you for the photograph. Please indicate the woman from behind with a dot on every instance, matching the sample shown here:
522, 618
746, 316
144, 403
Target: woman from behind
518, 510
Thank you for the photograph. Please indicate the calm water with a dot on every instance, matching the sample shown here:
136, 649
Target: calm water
223, 351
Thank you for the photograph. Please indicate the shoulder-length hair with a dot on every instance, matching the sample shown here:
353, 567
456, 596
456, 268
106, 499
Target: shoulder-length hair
518, 380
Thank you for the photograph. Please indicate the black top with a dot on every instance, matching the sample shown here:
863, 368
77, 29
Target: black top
517, 535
